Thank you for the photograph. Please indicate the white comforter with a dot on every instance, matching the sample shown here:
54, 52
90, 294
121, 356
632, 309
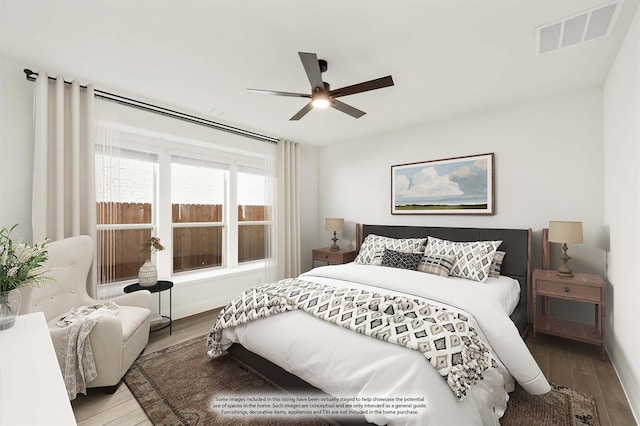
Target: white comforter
346, 364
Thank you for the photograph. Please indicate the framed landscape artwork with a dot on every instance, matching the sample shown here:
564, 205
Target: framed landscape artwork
461, 185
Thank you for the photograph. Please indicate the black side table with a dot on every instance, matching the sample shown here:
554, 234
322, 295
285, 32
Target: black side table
158, 288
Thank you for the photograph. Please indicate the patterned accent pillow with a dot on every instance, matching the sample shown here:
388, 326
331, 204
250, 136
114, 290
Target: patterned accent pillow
496, 264
374, 243
400, 260
436, 264
473, 259
377, 258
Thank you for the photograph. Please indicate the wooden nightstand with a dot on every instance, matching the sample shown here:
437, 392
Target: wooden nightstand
333, 257
586, 288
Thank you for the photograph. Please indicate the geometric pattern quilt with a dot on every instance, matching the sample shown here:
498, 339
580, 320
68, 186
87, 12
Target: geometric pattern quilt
473, 259
376, 243
444, 337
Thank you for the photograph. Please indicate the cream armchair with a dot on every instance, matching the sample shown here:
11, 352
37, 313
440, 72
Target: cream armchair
116, 340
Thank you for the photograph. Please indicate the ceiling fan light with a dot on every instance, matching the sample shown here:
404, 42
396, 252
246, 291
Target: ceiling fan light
320, 100
320, 103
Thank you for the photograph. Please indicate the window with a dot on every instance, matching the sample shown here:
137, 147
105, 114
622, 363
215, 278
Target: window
197, 213
125, 194
210, 210
254, 214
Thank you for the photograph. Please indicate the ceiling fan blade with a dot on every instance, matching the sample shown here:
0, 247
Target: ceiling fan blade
347, 109
273, 92
378, 83
312, 68
305, 109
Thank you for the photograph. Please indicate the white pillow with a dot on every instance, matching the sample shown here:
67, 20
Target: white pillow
376, 243
376, 260
473, 258
496, 264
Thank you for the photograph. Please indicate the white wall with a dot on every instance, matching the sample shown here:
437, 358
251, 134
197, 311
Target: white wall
548, 166
16, 146
622, 211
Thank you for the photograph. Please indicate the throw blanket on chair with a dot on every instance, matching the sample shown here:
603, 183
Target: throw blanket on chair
444, 337
78, 363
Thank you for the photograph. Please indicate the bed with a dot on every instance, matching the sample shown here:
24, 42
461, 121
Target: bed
515, 242
302, 351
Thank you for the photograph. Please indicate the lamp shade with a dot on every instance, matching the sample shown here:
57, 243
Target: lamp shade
334, 224
565, 232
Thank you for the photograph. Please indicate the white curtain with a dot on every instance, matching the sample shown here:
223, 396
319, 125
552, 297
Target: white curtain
63, 203
108, 183
271, 196
288, 209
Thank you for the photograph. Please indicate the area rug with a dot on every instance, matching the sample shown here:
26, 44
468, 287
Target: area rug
178, 385
560, 407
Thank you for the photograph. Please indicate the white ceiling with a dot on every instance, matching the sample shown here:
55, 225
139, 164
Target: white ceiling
447, 57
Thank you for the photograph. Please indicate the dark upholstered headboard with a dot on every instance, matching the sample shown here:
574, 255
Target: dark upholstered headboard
515, 242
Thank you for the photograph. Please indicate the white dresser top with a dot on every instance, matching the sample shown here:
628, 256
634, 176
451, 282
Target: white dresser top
32, 390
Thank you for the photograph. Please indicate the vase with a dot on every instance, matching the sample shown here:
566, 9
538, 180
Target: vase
147, 274
9, 307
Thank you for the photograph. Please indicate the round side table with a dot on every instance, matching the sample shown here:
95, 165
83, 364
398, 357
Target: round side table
160, 286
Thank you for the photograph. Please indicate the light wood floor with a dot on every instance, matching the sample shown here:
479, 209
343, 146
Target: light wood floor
579, 366
564, 362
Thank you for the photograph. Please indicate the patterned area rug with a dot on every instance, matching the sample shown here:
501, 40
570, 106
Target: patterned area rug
560, 407
175, 386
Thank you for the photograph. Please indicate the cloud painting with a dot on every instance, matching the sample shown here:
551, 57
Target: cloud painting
458, 185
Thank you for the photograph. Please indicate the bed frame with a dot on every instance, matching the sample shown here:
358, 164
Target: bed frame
516, 264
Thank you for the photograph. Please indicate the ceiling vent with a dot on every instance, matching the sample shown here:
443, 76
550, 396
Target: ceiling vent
585, 26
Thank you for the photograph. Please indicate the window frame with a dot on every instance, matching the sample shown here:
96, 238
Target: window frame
152, 226
268, 222
162, 223
224, 224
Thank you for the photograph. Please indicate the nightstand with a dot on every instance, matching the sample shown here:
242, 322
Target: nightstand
585, 288
333, 257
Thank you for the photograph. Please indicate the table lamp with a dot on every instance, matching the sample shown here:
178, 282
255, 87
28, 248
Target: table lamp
334, 224
565, 232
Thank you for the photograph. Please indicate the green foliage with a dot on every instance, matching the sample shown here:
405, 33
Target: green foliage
20, 264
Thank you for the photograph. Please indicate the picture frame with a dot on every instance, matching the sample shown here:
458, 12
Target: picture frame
459, 185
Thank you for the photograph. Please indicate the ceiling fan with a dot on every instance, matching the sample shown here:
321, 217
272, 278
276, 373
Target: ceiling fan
321, 94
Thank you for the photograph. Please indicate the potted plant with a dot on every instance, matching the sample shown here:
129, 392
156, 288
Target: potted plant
20, 265
148, 273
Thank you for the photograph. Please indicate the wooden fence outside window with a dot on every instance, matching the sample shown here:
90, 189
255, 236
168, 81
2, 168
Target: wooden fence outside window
121, 255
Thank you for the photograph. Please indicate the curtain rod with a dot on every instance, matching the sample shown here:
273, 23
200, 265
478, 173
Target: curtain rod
166, 111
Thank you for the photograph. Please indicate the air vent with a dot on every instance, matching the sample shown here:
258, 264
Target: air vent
576, 29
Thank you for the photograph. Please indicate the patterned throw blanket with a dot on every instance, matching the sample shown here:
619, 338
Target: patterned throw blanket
444, 337
79, 366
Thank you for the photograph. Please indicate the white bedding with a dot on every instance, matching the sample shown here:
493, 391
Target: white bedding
346, 364
505, 289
